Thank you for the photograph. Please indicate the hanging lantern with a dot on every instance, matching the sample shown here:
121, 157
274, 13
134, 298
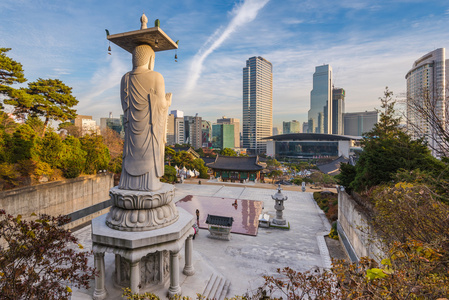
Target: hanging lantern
156, 43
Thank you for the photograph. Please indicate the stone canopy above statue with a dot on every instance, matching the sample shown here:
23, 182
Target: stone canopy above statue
155, 37
129, 40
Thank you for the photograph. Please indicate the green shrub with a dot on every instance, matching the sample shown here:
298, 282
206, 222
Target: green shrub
8, 174
334, 233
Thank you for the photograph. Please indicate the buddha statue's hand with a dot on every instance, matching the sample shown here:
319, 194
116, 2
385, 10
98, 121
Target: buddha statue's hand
168, 97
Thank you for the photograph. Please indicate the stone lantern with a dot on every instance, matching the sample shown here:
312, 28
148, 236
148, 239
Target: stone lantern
279, 199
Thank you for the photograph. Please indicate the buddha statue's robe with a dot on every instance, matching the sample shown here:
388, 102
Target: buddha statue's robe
145, 106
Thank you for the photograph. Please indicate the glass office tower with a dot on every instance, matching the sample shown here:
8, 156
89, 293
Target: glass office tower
320, 113
257, 104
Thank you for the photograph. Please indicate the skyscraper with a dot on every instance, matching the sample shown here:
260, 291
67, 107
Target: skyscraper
320, 113
338, 109
196, 132
426, 90
257, 103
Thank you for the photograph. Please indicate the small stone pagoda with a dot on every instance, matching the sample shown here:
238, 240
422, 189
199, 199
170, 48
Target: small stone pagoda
144, 228
279, 199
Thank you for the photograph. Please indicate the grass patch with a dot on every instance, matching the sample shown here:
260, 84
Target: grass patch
286, 227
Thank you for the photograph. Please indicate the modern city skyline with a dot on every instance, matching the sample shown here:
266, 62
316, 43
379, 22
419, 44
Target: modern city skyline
366, 56
320, 112
427, 89
257, 103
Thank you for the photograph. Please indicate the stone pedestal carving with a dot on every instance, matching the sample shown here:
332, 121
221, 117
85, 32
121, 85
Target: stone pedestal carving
142, 257
142, 210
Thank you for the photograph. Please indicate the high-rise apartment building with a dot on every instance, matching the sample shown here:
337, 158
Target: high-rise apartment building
427, 82
170, 131
338, 109
175, 128
257, 103
196, 132
291, 127
179, 131
236, 123
320, 113
358, 123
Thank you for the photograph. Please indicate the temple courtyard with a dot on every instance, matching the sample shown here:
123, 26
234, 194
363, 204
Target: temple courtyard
235, 267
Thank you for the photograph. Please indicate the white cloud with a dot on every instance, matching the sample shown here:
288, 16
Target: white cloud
244, 13
102, 93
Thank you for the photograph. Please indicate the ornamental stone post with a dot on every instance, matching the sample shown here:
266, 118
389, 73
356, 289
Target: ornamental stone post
174, 288
100, 292
188, 268
134, 276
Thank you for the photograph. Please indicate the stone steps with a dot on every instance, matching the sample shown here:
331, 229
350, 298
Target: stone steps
217, 287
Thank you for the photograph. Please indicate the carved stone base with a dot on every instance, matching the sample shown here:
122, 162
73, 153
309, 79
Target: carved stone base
154, 270
100, 295
279, 221
141, 210
189, 271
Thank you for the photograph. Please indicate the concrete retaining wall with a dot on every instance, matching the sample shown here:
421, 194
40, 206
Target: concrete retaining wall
60, 198
354, 230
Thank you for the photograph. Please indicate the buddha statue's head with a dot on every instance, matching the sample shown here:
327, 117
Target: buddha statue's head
143, 55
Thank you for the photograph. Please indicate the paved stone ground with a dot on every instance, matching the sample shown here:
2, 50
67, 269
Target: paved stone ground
245, 259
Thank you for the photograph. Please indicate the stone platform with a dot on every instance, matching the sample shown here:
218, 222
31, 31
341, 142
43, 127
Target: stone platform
133, 251
245, 259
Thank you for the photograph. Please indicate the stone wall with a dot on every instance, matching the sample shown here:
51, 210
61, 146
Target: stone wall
353, 228
60, 198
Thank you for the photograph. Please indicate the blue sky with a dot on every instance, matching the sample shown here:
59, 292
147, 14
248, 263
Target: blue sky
369, 44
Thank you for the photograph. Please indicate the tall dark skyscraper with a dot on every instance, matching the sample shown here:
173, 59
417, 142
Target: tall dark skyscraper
338, 109
257, 103
320, 113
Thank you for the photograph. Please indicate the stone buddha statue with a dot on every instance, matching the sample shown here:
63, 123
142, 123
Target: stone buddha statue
145, 106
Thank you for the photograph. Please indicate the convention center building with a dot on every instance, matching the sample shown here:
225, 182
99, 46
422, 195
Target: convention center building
311, 145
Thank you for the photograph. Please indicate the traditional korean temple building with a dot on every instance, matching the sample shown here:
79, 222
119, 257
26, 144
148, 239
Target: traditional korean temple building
237, 168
